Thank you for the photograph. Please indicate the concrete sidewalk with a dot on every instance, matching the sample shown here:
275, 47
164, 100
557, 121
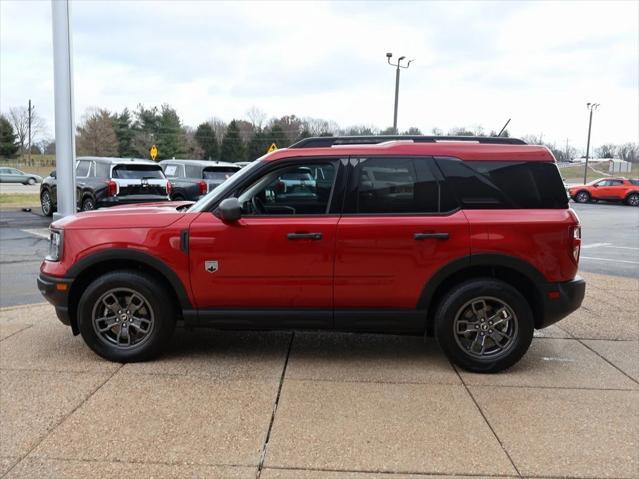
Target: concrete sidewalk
311, 405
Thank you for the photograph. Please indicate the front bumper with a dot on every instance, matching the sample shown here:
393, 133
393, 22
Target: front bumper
561, 299
56, 291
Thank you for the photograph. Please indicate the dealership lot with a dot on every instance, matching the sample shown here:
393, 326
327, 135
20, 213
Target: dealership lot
312, 405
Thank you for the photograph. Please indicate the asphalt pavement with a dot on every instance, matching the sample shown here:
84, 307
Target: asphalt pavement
14, 188
610, 246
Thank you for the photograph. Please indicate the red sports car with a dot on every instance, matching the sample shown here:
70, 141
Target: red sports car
609, 189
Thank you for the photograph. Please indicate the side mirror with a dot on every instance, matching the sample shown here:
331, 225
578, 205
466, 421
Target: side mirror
229, 210
52, 174
596, 185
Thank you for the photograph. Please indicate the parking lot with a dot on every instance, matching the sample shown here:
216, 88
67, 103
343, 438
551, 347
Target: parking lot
311, 405
316, 405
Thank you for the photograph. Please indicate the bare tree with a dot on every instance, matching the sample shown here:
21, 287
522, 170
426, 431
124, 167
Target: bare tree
19, 118
256, 117
96, 135
629, 152
219, 128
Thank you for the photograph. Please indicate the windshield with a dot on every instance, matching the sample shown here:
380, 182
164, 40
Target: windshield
137, 172
227, 185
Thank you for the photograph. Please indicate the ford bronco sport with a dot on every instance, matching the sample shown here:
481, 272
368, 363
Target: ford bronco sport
467, 239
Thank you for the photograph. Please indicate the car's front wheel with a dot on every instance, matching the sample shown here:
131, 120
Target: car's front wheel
46, 203
633, 199
582, 197
126, 316
31, 181
484, 325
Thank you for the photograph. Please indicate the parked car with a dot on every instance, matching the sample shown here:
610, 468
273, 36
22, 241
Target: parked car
469, 240
242, 164
102, 182
609, 189
13, 175
191, 179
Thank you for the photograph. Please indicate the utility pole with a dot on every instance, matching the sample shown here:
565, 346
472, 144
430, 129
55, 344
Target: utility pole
592, 107
398, 65
64, 122
29, 143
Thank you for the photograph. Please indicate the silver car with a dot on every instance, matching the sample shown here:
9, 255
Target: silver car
12, 175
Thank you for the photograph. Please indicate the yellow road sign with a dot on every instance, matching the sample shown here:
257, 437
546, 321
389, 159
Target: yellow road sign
153, 151
271, 148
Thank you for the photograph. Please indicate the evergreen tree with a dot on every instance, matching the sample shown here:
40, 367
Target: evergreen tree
205, 138
123, 127
276, 135
232, 146
161, 127
8, 139
257, 146
96, 136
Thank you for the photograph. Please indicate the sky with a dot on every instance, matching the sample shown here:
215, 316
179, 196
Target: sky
476, 63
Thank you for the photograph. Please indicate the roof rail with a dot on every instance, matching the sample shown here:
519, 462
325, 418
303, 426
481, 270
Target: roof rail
326, 141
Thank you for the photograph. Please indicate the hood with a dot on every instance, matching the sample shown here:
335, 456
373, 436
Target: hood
147, 215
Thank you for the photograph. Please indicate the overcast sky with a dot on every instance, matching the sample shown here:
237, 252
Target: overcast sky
476, 63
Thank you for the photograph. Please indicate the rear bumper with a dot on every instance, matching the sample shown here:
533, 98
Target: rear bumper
130, 199
56, 291
561, 299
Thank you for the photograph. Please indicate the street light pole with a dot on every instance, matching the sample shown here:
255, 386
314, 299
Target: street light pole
397, 66
64, 123
591, 107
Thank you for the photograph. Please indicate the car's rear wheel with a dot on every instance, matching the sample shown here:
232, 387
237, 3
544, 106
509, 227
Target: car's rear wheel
126, 316
633, 199
88, 204
46, 203
484, 325
582, 197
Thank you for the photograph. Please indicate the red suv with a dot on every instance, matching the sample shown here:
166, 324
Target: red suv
609, 189
469, 240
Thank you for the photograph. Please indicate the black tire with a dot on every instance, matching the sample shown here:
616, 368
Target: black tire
31, 181
582, 197
178, 198
88, 204
158, 307
451, 310
46, 203
632, 199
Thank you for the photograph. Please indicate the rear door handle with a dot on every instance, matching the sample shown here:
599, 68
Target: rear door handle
298, 236
423, 236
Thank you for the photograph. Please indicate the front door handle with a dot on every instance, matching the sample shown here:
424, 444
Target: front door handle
298, 236
439, 236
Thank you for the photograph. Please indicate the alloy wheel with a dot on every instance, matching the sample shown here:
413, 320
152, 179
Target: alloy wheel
485, 327
123, 318
46, 203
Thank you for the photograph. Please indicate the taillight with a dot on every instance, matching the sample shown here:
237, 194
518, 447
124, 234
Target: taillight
203, 187
576, 242
112, 188
169, 187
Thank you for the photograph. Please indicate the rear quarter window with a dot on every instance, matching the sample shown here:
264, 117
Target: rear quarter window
218, 172
504, 184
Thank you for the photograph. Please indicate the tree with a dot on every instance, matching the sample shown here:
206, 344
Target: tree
161, 127
256, 117
232, 146
257, 146
205, 138
413, 130
606, 151
219, 127
19, 118
8, 138
96, 136
123, 127
276, 135
629, 152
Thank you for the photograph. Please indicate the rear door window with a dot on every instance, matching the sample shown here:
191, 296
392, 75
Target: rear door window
174, 171
82, 169
504, 184
138, 172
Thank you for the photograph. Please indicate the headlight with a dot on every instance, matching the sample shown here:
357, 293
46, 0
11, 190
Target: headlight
55, 246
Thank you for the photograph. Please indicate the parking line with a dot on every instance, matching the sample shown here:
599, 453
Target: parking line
595, 245
40, 232
610, 260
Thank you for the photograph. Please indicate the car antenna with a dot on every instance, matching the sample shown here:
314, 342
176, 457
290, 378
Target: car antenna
502, 130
